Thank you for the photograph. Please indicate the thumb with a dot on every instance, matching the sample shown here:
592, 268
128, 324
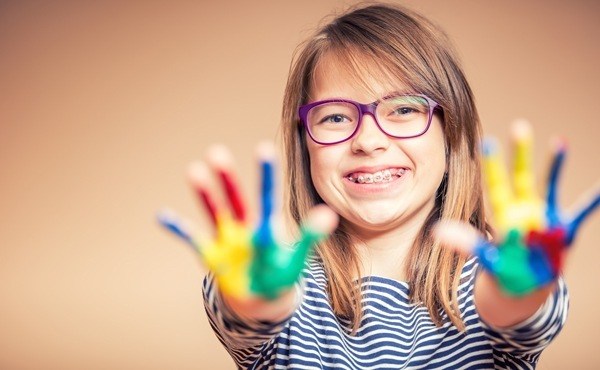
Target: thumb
321, 219
460, 236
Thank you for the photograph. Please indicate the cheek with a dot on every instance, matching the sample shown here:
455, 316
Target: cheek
319, 165
437, 145
431, 153
323, 167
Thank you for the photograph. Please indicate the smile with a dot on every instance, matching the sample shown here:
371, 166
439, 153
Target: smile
386, 175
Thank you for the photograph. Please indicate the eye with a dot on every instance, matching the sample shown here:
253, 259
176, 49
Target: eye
333, 115
403, 107
334, 118
404, 110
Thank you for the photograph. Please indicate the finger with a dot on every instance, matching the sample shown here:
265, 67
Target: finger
460, 236
221, 160
497, 181
552, 211
523, 169
320, 222
266, 154
199, 178
264, 235
177, 226
589, 205
468, 241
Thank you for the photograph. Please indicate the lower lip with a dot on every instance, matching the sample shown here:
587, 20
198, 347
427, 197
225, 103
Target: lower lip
378, 188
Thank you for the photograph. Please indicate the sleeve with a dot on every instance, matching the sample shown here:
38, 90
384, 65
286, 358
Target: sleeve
243, 338
525, 341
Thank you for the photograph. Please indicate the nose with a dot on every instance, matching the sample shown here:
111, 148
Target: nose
369, 137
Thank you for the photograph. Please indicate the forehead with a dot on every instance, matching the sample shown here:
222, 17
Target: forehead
344, 74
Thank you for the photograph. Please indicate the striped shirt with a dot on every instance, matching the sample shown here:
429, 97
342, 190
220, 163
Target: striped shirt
394, 333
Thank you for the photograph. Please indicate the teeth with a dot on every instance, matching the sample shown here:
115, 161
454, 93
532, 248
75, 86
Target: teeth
379, 176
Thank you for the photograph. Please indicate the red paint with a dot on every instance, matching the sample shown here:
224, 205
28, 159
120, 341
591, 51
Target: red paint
233, 195
552, 241
209, 204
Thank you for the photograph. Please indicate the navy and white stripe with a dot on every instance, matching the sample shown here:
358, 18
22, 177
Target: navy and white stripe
394, 334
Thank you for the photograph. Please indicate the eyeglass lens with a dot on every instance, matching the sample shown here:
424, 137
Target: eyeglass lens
399, 116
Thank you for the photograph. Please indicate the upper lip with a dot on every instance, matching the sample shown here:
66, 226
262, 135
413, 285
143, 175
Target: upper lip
372, 169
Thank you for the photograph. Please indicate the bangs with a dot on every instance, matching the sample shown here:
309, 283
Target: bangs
362, 67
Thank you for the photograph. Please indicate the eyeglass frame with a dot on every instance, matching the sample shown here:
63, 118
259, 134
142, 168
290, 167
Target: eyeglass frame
364, 109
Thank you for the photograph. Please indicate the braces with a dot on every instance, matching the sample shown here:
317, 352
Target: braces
377, 177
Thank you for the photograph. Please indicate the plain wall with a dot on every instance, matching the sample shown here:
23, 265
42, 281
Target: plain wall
103, 104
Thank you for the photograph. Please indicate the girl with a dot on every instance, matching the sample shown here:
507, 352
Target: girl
380, 125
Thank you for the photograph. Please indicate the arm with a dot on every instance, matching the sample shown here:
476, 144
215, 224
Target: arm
501, 310
520, 268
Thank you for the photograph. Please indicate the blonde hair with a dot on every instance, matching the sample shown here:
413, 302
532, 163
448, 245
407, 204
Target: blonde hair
400, 43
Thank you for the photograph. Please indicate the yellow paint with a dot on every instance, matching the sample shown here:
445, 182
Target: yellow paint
229, 256
524, 209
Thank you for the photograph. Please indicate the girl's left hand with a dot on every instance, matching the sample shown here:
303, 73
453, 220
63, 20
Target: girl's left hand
534, 234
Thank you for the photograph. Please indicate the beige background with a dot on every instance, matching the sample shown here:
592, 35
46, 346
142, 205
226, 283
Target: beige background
102, 105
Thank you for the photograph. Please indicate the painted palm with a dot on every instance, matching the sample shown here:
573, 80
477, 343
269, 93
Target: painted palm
534, 233
247, 261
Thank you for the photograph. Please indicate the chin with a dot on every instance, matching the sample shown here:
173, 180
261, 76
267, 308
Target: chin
377, 219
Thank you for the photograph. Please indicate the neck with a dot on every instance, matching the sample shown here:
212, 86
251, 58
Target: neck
384, 252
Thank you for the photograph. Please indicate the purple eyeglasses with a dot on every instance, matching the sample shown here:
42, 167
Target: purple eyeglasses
334, 121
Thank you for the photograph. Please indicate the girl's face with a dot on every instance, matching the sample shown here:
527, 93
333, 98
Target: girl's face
406, 200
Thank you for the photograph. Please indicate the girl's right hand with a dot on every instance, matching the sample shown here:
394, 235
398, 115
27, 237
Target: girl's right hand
248, 263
